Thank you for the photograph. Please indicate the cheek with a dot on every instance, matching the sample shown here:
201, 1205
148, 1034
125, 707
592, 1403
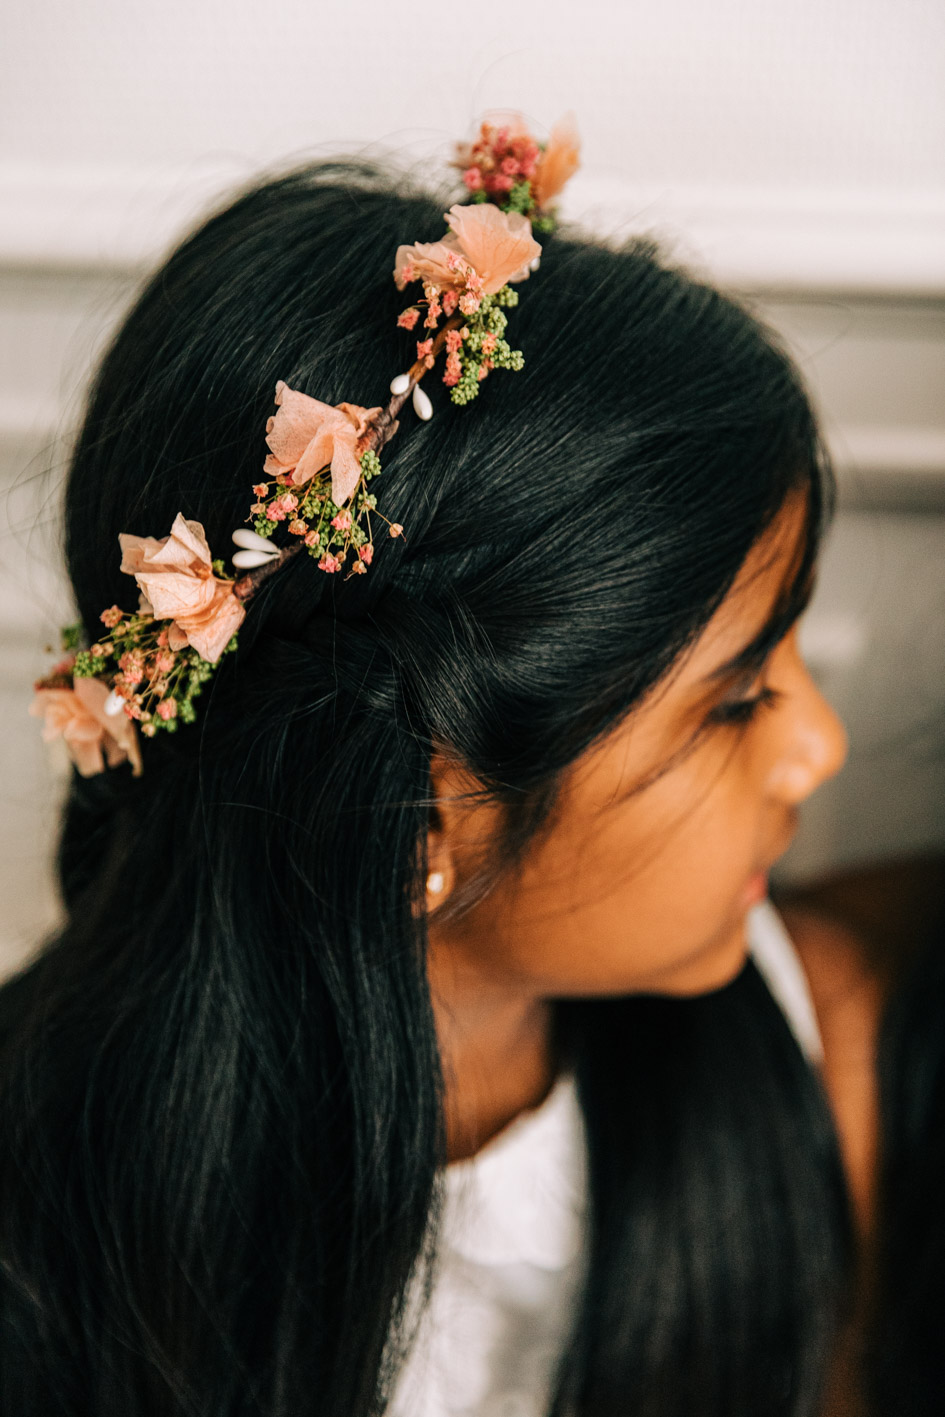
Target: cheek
644, 894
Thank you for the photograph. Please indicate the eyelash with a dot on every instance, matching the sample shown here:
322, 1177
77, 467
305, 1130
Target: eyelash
742, 711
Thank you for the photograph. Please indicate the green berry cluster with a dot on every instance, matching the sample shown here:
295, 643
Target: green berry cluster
329, 532
484, 345
158, 684
519, 199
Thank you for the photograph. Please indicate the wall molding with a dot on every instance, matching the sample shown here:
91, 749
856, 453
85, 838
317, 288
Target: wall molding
96, 217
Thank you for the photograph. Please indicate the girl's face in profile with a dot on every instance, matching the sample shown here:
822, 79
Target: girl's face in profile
665, 832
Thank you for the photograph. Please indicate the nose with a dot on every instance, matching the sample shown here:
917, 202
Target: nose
816, 746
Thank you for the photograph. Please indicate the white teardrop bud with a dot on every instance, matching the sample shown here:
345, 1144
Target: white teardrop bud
246, 560
400, 384
421, 404
534, 264
253, 542
113, 704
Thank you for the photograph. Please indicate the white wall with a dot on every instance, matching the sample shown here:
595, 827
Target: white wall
797, 139
795, 148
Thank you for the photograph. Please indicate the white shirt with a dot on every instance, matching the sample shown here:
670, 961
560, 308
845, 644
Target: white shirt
511, 1249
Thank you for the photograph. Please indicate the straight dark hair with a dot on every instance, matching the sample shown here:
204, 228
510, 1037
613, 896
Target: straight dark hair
905, 1352
220, 1091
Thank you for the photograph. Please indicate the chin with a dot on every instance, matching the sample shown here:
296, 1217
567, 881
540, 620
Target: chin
709, 971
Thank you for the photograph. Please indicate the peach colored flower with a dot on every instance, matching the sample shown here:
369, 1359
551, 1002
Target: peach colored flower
77, 715
176, 576
428, 261
498, 245
307, 435
559, 161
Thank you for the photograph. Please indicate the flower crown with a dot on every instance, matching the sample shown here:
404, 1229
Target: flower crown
149, 668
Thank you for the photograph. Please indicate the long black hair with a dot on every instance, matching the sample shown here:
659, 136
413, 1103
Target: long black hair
905, 1353
220, 1095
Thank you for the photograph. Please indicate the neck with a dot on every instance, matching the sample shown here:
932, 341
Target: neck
495, 1046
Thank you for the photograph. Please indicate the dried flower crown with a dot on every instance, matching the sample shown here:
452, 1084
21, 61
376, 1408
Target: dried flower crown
153, 662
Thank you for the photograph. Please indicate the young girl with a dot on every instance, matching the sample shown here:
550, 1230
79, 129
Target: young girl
400, 1047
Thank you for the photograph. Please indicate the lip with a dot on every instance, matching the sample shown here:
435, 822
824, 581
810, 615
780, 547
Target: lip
756, 889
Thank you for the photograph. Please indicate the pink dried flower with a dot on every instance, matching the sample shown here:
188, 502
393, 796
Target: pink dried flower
469, 304
131, 665
165, 661
424, 348
454, 341
559, 161
342, 522
298, 527
258, 509
359, 569
162, 639
473, 178
396, 529
167, 708
449, 301
92, 737
498, 245
489, 342
434, 312
366, 553
408, 318
329, 563
312, 538
306, 435
453, 371
260, 489
176, 575
111, 617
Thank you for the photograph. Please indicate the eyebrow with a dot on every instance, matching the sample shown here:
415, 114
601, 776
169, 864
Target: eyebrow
750, 658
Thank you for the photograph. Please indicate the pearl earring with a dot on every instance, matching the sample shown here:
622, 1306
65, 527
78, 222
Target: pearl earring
435, 882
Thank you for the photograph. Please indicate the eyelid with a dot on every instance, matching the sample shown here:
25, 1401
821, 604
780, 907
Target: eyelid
743, 708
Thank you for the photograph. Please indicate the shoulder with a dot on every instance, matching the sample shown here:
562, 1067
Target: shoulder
849, 996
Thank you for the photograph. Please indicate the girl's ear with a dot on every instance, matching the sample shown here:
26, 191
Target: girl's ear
441, 875
461, 828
